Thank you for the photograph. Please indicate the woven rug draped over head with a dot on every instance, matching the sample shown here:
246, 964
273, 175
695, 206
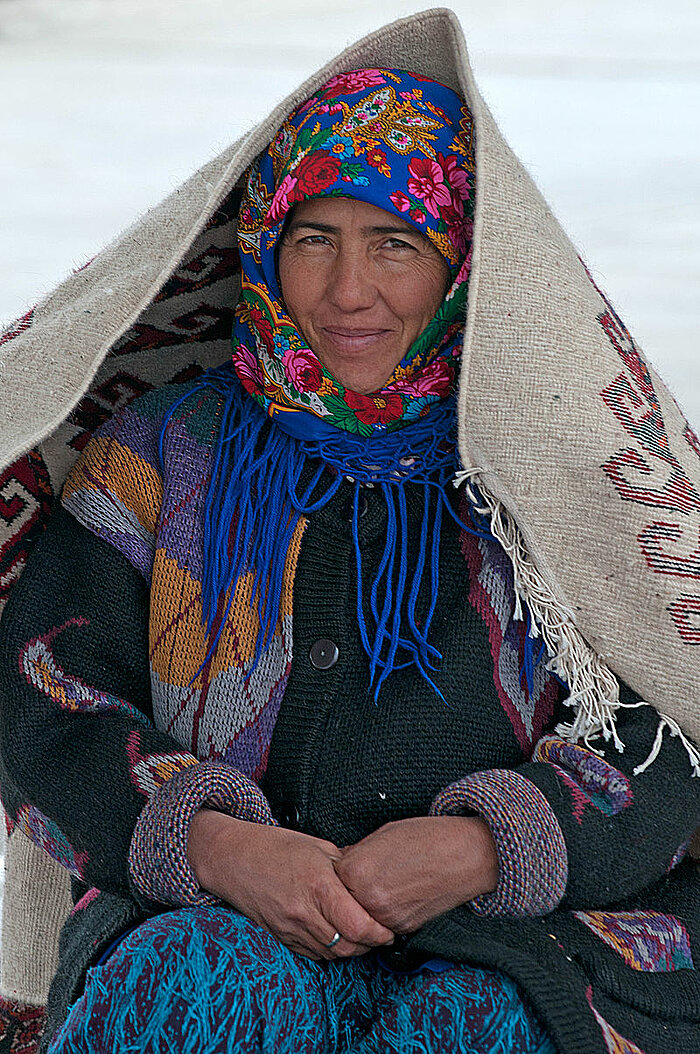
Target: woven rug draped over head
596, 466
586, 465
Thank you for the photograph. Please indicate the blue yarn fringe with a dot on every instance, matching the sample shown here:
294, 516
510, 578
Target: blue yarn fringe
251, 515
208, 981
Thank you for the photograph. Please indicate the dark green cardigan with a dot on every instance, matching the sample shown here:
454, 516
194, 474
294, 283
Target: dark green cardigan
614, 956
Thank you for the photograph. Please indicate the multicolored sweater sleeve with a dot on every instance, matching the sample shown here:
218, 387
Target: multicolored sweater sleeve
83, 770
580, 828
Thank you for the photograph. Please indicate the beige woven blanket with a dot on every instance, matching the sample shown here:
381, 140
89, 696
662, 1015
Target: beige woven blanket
587, 465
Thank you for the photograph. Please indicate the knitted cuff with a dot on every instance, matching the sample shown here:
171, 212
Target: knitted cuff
158, 861
533, 861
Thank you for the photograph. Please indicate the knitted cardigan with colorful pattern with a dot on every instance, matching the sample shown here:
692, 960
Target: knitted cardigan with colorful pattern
115, 731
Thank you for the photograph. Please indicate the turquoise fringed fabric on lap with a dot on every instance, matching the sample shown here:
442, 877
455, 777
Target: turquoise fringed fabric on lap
208, 981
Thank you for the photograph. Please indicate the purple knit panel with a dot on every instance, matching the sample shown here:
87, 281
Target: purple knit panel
186, 480
533, 861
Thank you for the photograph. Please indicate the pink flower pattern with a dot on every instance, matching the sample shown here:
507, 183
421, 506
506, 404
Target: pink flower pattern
400, 200
282, 200
247, 367
427, 182
353, 82
433, 379
456, 179
303, 369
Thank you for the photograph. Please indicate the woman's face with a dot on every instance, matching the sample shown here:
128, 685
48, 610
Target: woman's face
360, 284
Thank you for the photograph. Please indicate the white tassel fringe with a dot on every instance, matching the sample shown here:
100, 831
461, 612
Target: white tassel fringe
675, 730
593, 688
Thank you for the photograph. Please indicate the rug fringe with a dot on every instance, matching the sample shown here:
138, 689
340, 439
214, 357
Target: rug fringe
593, 688
675, 730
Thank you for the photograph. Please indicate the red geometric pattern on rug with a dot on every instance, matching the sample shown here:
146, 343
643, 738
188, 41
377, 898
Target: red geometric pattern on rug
203, 323
632, 399
650, 474
21, 1027
25, 504
17, 327
213, 265
685, 612
692, 439
658, 556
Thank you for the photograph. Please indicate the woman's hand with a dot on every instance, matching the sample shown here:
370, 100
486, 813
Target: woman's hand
283, 880
410, 871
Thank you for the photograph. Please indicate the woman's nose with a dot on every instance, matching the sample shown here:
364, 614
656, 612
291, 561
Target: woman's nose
350, 286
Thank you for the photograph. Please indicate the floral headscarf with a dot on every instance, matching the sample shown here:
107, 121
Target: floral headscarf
393, 139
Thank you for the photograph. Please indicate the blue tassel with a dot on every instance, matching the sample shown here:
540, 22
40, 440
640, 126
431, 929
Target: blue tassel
253, 505
530, 659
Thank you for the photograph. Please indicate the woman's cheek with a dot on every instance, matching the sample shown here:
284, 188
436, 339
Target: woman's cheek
303, 278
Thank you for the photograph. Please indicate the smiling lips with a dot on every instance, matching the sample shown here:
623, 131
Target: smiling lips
348, 339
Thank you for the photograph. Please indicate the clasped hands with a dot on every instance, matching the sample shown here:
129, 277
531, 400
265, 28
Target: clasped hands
305, 889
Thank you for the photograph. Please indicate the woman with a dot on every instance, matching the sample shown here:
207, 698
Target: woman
389, 698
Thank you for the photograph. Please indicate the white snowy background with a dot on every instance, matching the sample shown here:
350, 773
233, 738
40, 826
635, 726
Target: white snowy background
106, 105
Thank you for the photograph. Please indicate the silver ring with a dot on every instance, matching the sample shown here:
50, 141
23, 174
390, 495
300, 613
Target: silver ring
336, 937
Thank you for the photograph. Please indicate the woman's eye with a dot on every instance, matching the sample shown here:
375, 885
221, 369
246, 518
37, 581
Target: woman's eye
397, 244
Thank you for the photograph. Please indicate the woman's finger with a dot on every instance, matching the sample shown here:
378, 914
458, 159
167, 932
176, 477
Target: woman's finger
321, 941
352, 921
311, 948
342, 948
346, 950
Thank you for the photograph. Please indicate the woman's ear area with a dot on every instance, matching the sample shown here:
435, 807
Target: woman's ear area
282, 239
286, 225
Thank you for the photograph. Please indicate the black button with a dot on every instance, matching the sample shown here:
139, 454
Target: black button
288, 815
323, 654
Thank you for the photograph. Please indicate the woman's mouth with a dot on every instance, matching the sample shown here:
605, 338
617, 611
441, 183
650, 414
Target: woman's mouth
350, 339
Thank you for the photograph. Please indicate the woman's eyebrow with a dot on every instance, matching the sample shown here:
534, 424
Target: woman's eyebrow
328, 228
391, 230
325, 228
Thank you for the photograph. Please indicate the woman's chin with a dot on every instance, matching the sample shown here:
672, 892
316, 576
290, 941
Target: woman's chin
354, 377
363, 369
